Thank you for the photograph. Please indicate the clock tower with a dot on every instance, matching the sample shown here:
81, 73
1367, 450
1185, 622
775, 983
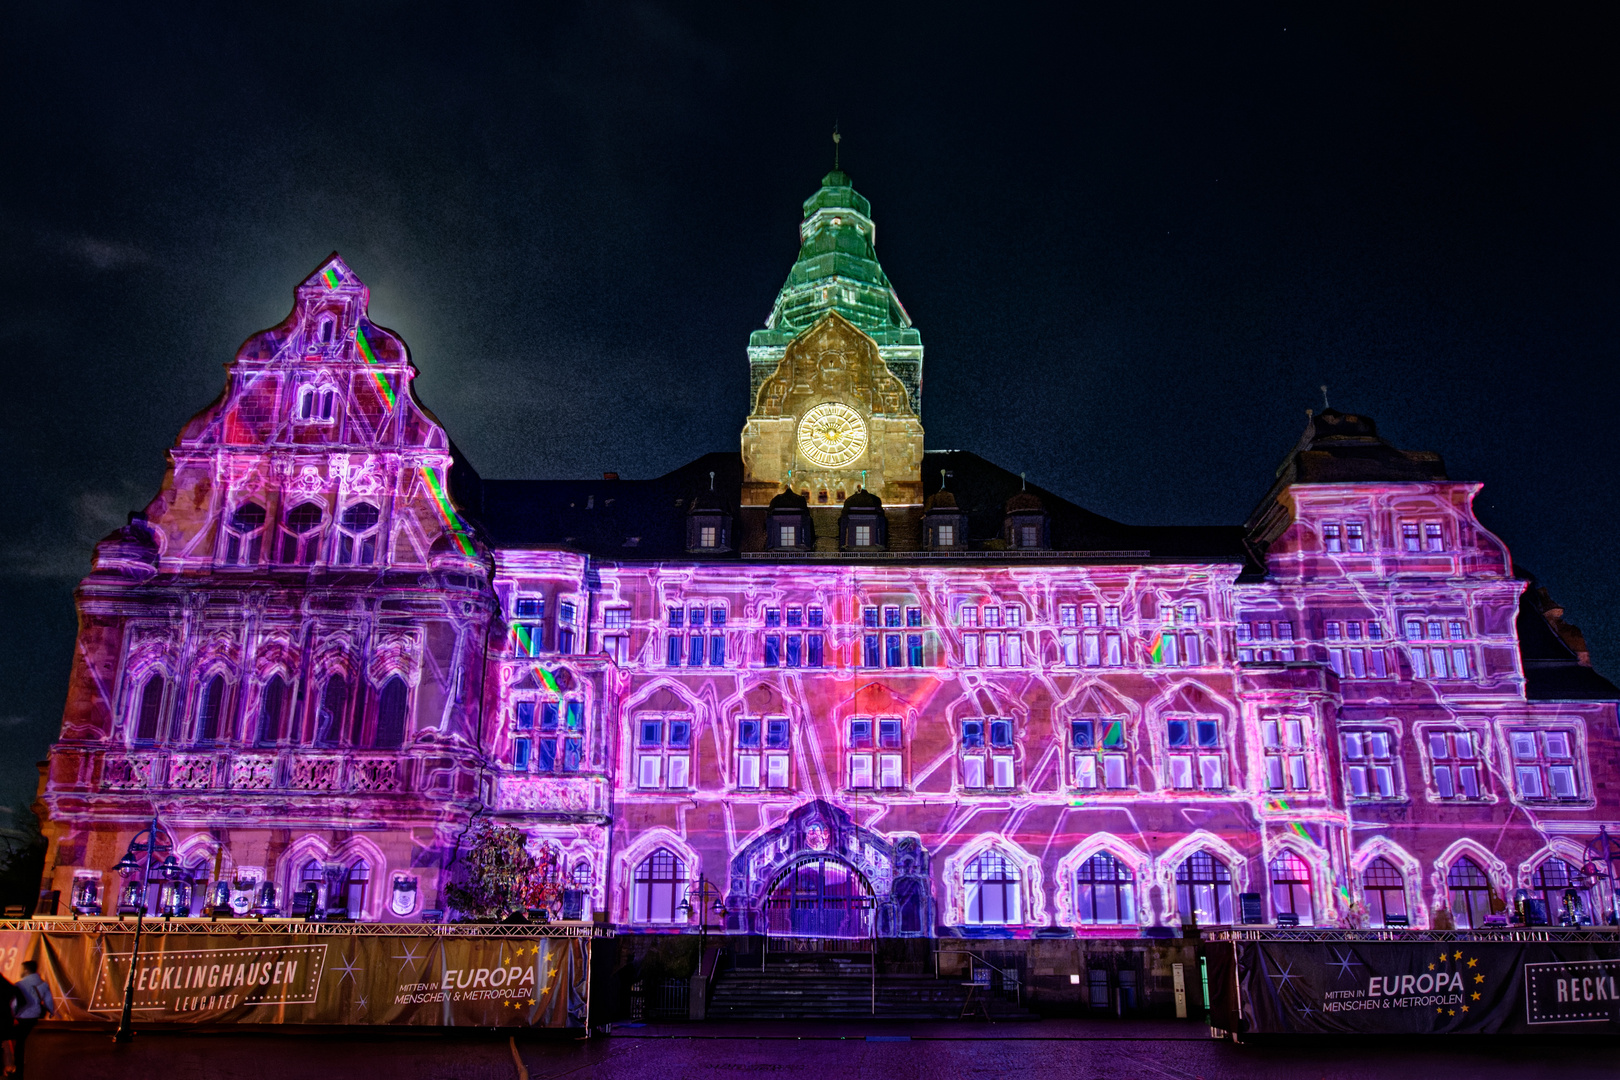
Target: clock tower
837, 371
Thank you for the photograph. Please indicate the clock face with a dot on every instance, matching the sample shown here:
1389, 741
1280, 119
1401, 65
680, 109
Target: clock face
832, 435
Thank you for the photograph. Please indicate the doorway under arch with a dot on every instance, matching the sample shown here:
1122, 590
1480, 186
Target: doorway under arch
822, 896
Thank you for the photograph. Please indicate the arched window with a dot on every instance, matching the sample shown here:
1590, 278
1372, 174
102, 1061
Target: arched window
209, 706
329, 717
1291, 887
312, 873
1204, 889
1384, 891
1470, 893
390, 733
151, 714
655, 892
244, 535
357, 535
582, 873
992, 884
315, 404
301, 539
1551, 881
349, 890
270, 709
1104, 891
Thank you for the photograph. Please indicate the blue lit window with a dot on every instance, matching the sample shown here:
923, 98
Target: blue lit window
812, 616
812, 657
1001, 733
973, 734
717, 650
748, 734
795, 616
891, 650
520, 754
677, 616
795, 650
891, 616
525, 715
914, 655
869, 616
1209, 733
1176, 733
889, 734
548, 716
694, 619
776, 733
530, 607
913, 616
1082, 734
680, 733
717, 617
652, 732
696, 653
870, 648
773, 650
576, 716
860, 734
773, 616
546, 761
573, 751
674, 657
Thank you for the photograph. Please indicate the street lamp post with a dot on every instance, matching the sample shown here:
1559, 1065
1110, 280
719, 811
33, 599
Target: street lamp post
708, 898
150, 841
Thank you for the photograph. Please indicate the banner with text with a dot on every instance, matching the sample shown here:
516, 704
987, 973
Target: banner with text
311, 979
1417, 987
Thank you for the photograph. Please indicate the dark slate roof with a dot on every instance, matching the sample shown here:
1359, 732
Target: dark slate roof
1552, 670
645, 519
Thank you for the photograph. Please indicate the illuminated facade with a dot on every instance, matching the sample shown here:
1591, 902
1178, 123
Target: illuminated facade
859, 686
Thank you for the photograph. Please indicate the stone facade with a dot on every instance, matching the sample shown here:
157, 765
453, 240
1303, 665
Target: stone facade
328, 645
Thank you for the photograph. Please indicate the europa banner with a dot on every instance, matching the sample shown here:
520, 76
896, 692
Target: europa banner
312, 979
1416, 987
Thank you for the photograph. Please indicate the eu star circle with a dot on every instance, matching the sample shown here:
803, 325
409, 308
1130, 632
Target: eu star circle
832, 435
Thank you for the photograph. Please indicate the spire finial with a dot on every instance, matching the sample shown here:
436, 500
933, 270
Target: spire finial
1325, 404
837, 138
944, 475
711, 481
1023, 481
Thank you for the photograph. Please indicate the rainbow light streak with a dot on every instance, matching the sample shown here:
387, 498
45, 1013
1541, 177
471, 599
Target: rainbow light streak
371, 358
451, 518
1304, 831
528, 646
331, 278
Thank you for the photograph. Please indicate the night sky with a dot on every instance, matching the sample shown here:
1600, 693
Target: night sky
1135, 245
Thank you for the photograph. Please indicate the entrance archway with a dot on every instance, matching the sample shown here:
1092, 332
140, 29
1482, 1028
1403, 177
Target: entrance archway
822, 896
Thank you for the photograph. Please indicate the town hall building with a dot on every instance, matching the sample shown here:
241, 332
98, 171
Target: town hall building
858, 686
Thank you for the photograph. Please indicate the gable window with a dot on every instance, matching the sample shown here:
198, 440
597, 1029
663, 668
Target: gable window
944, 535
991, 881
316, 404
1355, 536
1204, 890
1456, 768
1097, 752
1370, 764
656, 888
1194, 752
1470, 893
565, 627
1104, 891
1544, 764
1332, 538
559, 744
664, 753
1284, 742
357, 535
1384, 892
1291, 887
244, 535
301, 537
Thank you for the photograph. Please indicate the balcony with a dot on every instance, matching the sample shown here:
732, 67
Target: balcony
314, 771
552, 794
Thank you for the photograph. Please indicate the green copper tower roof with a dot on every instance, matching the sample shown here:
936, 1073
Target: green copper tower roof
837, 270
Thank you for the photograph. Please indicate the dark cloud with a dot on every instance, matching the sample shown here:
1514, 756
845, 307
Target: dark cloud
1135, 239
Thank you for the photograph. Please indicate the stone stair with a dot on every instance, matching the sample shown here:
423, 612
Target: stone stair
834, 987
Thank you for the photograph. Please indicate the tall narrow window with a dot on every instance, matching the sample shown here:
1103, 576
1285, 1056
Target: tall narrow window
301, 539
390, 732
1565, 891
151, 713
656, 887
991, 882
270, 709
1470, 892
357, 535
350, 893
244, 535
209, 707
1455, 763
1291, 887
1384, 891
329, 716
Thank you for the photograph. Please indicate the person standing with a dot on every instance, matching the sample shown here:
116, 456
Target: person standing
9, 1000
34, 1003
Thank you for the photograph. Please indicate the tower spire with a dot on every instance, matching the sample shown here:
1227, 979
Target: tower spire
837, 138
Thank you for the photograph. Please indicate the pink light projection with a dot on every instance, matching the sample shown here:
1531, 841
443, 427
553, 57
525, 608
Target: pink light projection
316, 667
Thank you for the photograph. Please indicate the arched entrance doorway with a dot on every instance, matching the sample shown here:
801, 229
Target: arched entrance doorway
822, 896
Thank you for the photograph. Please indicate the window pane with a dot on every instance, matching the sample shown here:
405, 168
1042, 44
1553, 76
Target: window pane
1114, 770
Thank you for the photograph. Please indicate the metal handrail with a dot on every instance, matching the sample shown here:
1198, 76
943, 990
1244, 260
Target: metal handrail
1018, 984
1513, 934
103, 924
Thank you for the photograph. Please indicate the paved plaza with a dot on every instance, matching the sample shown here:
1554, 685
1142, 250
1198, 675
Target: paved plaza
1057, 1049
